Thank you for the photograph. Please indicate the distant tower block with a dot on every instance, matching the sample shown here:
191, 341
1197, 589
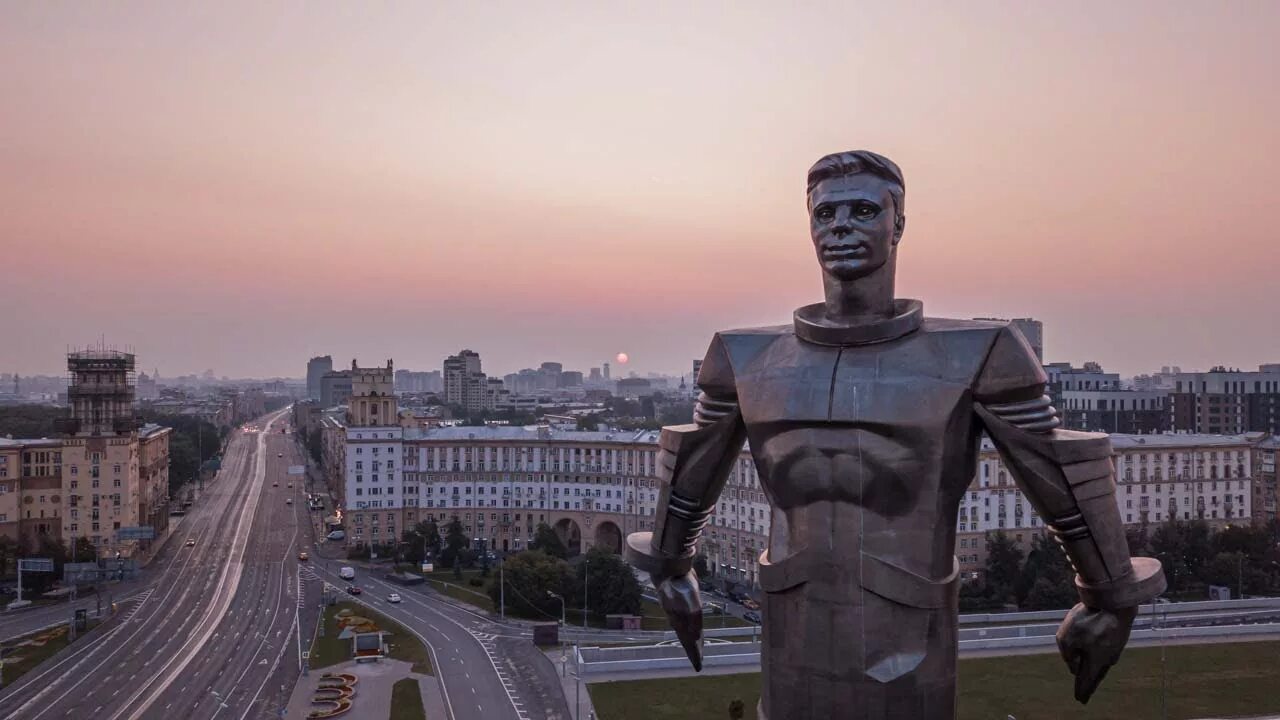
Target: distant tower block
101, 392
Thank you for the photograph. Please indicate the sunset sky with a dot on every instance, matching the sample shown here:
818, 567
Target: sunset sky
239, 186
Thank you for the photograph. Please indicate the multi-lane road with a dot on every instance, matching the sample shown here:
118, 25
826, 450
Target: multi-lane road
211, 630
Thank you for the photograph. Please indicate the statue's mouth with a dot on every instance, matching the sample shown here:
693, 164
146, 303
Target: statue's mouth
843, 251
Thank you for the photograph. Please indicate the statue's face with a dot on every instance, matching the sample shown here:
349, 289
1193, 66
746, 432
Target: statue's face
853, 224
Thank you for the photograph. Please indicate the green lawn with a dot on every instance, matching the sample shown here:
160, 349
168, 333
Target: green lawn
1203, 681
24, 653
406, 700
329, 650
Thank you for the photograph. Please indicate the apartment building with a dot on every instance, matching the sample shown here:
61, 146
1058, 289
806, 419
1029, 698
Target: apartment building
101, 475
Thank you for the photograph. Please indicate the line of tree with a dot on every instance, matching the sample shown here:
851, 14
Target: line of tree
192, 443
48, 546
1194, 554
535, 581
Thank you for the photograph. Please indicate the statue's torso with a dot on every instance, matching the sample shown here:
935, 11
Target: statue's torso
867, 446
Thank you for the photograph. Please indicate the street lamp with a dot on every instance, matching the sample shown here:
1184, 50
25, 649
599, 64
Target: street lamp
586, 577
562, 611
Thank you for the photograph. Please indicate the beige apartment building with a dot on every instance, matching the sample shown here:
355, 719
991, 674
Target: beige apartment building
101, 475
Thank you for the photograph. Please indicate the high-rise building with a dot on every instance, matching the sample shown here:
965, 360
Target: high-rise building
335, 388
374, 489
316, 368
1225, 401
105, 478
606, 371
466, 385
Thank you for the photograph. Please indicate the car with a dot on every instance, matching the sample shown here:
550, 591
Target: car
751, 616
191, 542
279, 454
302, 557
750, 604
393, 598
290, 486
275, 484
288, 501
353, 590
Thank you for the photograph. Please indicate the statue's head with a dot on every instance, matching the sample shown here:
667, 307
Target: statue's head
856, 214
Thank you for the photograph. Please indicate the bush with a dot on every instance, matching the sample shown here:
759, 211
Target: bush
475, 582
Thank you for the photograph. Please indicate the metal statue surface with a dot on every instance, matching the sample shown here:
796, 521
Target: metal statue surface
864, 419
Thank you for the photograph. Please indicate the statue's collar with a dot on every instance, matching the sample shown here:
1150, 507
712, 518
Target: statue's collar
812, 327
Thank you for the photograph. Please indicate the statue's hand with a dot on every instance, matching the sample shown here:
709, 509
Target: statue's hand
1091, 641
682, 602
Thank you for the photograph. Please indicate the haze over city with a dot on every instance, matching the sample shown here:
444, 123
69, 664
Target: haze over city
239, 187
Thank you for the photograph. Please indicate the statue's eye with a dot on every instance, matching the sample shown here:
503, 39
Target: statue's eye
865, 211
825, 213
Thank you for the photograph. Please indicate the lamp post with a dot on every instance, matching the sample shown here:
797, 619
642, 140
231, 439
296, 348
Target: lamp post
562, 612
586, 577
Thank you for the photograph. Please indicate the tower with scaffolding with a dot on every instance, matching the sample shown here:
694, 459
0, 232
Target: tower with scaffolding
100, 392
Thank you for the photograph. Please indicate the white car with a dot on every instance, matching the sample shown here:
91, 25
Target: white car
393, 598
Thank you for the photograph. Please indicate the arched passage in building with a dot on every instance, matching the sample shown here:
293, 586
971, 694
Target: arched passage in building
571, 535
609, 537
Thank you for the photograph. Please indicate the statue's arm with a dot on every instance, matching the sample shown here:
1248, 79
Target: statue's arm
693, 463
1070, 481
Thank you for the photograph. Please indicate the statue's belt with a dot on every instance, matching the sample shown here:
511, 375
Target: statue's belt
867, 571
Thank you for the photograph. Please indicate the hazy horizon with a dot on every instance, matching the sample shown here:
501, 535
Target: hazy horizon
241, 187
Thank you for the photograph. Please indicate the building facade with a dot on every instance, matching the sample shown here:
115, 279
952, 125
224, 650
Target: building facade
316, 368
1226, 401
594, 488
102, 479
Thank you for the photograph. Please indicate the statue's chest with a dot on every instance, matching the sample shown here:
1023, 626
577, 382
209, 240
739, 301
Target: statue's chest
866, 424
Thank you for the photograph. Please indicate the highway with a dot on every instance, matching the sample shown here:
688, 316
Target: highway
211, 631
477, 680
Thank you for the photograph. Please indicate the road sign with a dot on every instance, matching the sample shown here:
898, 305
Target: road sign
36, 564
142, 532
297, 469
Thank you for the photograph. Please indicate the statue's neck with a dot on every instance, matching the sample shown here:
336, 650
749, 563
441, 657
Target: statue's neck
864, 300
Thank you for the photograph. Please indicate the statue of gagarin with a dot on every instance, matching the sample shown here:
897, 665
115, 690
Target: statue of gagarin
864, 419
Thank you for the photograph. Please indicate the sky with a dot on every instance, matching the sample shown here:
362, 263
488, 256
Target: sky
240, 186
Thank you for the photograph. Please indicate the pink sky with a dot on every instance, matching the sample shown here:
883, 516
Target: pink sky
242, 188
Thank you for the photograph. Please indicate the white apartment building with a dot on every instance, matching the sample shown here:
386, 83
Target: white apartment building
594, 488
374, 489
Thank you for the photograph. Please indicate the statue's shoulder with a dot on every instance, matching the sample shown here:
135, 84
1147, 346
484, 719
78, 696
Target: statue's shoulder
740, 344
1005, 363
735, 348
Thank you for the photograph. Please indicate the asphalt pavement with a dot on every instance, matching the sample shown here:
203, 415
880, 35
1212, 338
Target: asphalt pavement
212, 632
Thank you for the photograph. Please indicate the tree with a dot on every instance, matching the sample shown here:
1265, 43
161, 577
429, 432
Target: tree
1004, 564
83, 550
1047, 582
611, 586
529, 577
548, 541
736, 710
421, 538
455, 543
700, 567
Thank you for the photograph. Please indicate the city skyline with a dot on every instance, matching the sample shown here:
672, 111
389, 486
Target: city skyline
570, 183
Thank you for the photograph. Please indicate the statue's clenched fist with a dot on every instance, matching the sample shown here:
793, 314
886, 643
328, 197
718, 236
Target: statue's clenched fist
1091, 641
682, 602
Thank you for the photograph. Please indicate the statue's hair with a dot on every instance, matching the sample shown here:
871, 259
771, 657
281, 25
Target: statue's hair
856, 162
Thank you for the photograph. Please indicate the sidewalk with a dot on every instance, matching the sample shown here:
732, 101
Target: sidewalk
575, 691
373, 691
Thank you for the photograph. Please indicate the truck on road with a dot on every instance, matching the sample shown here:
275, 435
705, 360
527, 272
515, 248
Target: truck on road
347, 573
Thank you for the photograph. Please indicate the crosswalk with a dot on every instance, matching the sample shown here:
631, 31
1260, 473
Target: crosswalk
487, 641
139, 600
